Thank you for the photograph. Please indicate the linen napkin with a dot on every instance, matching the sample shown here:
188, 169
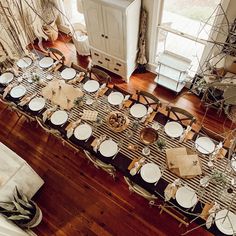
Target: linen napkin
53, 66
150, 118
149, 111
26, 99
217, 151
185, 133
48, 113
212, 211
135, 166
170, 190
97, 142
8, 89
102, 89
70, 128
126, 98
78, 78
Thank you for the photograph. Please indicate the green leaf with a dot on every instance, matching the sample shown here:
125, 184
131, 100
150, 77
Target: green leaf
7, 206
21, 209
18, 217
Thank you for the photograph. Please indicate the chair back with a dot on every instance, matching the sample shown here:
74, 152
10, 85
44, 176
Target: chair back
78, 68
148, 99
99, 75
180, 115
211, 134
56, 54
118, 89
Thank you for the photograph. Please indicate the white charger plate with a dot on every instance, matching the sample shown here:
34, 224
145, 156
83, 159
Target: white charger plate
226, 225
37, 104
150, 173
138, 110
204, 145
24, 62
91, 86
6, 78
83, 132
46, 62
186, 197
115, 98
108, 148
68, 73
59, 117
18, 91
173, 129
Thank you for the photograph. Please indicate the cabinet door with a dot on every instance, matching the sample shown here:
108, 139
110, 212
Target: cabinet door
94, 23
114, 35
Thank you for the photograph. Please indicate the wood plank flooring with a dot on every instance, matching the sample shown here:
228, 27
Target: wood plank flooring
78, 199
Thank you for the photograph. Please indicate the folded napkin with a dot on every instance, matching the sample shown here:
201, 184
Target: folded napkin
126, 98
8, 89
26, 99
135, 165
217, 152
78, 78
127, 103
53, 66
212, 211
149, 111
70, 128
101, 91
48, 113
150, 118
16, 71
170, 190
185, 133
97, 142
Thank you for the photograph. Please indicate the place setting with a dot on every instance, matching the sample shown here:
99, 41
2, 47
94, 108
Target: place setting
18, 91
24, 62
37, 104
68, 74
173, 129
6, 78
83, 132
204, 145
59, 118
46, 62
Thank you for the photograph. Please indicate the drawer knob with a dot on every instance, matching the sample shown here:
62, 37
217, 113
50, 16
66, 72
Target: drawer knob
103, 35
118, 64
107, 59
100, 62
106, 37
116, 69
96, 54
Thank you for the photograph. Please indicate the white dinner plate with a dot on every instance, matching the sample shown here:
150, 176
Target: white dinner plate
138, 110
18, 91
83, 132
68, 73
150, 173
46, 62
37, 104
24, 62
186, 197
226, 225
6, 78
204, 145
115, 98
59, 117
108, 148
173, 129
91, 86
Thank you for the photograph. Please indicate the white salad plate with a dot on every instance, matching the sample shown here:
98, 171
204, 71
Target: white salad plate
6, 78
173, 129
186, 197
59, 117
37, 104
68, 73
138, 110
115, 98
108, 148
91, 86
204, 145
150, 173
83, 132
24, 62
226, 222
46, 62
18, 91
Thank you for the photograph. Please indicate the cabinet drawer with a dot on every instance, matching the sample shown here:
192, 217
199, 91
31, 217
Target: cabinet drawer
118, 67
98, 58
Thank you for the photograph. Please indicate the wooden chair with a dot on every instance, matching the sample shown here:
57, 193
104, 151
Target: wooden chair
180, 115
118, 89
101, 165
48, 130
148, 99
211, 134
99, 75
56, 54
78, 68
140, 191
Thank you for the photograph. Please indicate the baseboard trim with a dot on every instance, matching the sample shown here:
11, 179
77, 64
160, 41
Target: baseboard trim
151, 67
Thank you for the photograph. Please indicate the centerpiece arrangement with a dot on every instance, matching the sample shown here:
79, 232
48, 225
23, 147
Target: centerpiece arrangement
117, 121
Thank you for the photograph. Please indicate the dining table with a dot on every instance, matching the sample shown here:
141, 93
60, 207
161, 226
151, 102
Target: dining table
124, 156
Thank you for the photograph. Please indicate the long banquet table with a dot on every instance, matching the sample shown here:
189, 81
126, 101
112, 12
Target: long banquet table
125, 156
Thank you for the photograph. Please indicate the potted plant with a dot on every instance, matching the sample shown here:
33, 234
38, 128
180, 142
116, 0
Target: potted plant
160, 144
22, 211
218, 177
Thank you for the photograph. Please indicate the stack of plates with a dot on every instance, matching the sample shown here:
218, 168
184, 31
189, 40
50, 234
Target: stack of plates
24, 62
173, 129
150, 173
59, 117
115, 98
6, 78
37, 104
204, 145
46, 62
138, 110
186, 197
18, 91
83, 132
68, 73
108, 148
91, 86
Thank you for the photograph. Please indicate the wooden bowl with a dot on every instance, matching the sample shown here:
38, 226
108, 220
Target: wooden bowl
113, 126
148, 135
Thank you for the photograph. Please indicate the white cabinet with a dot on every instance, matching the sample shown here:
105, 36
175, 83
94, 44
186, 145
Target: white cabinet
113, 28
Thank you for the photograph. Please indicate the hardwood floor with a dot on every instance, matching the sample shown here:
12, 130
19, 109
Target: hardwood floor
78, 199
